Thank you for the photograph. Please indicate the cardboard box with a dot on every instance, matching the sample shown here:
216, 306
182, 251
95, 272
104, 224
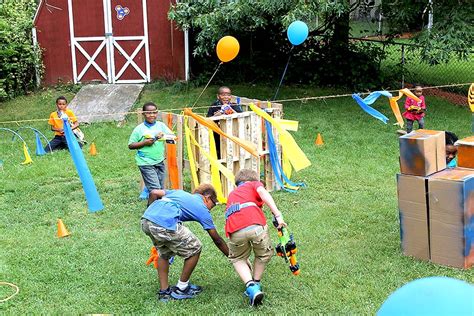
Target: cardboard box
451, 213
422, 152
466, 152
413, 212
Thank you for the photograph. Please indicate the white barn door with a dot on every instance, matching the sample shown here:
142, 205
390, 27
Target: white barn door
109, 40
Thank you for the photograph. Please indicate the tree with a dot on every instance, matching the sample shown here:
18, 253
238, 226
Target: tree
452, 33
18, 57
260, 27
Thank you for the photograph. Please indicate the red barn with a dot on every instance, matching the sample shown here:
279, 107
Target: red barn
113, 41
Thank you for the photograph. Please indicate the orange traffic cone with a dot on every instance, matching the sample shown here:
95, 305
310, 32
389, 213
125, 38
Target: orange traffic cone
319, 140
62, 230
93, 150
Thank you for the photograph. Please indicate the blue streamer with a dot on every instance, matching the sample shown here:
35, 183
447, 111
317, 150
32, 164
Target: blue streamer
371, 98
92, 196
275, 162
39, 146
368, 109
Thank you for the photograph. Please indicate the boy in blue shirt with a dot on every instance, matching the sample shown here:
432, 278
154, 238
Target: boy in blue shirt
148, 139
163, 223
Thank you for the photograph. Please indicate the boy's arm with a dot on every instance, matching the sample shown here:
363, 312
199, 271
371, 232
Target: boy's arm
423, 104
155, 195
218, 241
267, 198
75, 125
135, 143
143, 143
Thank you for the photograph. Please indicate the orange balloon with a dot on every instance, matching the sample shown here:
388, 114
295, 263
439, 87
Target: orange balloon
227, 48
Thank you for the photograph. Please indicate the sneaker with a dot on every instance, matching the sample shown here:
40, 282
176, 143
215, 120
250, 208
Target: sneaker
178, 294
401, 132
255, 294
164, 295
195, 288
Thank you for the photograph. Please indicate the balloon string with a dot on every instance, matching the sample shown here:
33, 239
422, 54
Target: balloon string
284, 73
207, 84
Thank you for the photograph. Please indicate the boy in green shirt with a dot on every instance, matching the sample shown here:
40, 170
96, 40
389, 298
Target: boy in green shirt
148, 139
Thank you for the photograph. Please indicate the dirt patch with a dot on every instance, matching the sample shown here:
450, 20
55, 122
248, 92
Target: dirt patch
452, 97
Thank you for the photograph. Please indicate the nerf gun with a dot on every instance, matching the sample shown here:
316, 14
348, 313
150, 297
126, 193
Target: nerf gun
227, 109
168, 138
286, 248
416, 109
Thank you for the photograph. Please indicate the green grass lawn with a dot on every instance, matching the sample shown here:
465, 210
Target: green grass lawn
345, 222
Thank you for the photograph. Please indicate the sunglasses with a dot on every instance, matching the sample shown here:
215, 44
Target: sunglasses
215, 202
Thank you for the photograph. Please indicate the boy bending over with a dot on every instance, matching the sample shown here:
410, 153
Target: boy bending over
163, 223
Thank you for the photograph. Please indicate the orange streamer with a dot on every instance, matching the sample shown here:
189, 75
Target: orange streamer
172, 162
248, 146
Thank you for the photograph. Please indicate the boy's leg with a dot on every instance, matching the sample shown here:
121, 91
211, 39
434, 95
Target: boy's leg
150, 177
188, 246
262, 247
409, 126
421, 123
163, 270
188, 267
159, 236
160, 172
239, 252
55, 144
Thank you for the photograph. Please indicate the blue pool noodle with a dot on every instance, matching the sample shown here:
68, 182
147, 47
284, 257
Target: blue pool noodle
92, 196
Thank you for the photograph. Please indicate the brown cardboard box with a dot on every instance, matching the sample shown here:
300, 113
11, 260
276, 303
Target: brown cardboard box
413, 212
466, 152
422, 152
451, 213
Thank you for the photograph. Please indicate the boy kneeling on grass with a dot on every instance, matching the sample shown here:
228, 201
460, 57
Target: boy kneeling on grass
247, 230
163, 223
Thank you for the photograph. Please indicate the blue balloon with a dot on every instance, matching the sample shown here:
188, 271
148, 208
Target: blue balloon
431, 296
297, 32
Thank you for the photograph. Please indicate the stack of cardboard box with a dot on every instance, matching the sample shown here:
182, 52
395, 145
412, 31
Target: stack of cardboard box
436, 205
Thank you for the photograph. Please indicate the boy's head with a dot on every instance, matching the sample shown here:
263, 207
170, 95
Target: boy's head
451, 152
224, 95
150, 112
418, 90
245, 175
209, 194
61, 103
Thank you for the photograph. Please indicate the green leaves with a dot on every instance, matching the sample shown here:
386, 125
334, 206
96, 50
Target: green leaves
18, 58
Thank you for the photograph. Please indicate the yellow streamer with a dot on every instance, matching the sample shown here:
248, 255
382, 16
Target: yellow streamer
289, 147
470, 98
286, 166
226, 172
27, 155
289, 125
215, 175
396, 111
192, 163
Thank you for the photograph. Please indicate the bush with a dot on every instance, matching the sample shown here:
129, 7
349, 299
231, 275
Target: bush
19, 60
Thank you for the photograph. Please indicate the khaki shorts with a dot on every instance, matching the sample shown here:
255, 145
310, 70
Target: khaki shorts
255, 237
168, 243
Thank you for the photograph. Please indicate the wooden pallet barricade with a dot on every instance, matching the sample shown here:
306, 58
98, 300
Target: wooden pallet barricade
246, 126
